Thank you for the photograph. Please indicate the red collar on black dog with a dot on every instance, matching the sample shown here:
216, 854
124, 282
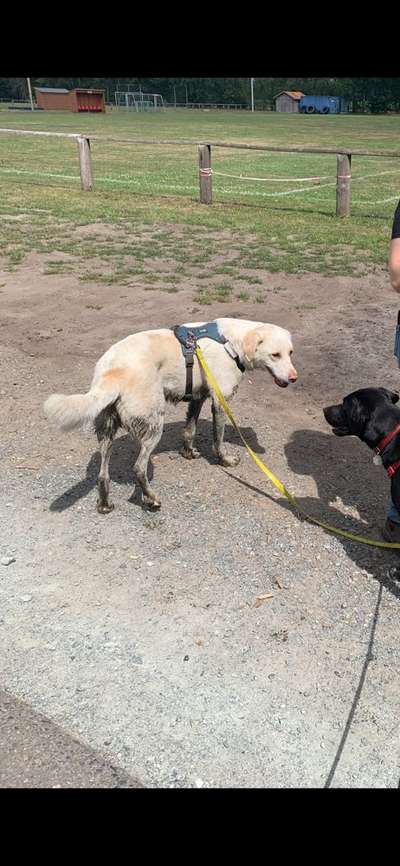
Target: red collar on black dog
385, 441
392, 469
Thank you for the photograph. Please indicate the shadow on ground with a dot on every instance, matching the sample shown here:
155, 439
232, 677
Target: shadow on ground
38, 753
342, 469
125, 452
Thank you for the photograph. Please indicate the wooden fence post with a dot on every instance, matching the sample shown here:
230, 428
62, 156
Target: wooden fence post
85, 163
205, 173
343, 178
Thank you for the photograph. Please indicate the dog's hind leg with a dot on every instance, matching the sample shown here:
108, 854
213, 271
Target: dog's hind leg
149, 436
189, 432
106, 424
218, 431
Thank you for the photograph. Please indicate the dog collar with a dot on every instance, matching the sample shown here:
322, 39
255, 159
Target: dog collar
392, 469
385, 441
235, 357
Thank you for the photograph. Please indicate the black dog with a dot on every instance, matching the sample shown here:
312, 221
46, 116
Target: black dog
370, 414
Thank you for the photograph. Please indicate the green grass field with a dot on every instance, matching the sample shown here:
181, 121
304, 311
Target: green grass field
276, 223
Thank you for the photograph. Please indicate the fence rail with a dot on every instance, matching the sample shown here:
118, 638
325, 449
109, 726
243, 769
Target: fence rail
238, 106
343, 155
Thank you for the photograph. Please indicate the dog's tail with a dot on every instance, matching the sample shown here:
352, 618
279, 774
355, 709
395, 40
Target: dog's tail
70, 411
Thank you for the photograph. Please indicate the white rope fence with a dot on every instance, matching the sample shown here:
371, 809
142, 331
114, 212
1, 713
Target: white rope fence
381, 201
127, 180
341, 180
315, 188
298, 179
273, 179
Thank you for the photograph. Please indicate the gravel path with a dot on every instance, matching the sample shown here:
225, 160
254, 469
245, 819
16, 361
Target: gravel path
140, 635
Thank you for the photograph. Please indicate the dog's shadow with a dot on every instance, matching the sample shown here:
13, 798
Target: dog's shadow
343, 471
125, 452
346, 480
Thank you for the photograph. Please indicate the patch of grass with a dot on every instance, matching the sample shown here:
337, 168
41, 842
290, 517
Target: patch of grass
151, 278
164, 283
296, 232
16, 257
221, 293
93, 277
246, 279
243, 296
57, 266
121, 276
133, 270
203, 298
170, 278
225, 269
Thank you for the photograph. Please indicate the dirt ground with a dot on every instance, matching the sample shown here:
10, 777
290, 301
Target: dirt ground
137, 634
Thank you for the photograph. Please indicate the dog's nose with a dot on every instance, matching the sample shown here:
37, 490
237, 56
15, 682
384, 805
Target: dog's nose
293, 375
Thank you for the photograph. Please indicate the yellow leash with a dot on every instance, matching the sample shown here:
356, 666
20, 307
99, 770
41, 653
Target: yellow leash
275, 481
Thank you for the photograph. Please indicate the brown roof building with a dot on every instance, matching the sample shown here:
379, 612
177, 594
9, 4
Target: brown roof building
288, 100
79, 99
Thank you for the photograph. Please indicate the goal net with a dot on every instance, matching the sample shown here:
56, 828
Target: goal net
139, 101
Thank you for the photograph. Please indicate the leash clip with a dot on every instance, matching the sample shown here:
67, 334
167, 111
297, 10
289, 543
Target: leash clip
191, 341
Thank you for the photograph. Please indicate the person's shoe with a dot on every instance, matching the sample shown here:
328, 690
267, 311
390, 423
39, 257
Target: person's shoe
394, 572
391, 531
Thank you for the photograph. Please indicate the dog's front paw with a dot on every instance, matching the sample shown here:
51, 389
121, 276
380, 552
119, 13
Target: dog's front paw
151, 502
190, 453
229, 460
104, 507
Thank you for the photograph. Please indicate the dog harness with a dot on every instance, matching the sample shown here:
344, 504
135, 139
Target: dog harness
188, 339
392, 469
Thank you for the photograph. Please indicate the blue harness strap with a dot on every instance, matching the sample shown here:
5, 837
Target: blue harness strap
188, 338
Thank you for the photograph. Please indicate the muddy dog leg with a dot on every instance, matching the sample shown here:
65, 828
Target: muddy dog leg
189, 432
107, 424
149, 437
218, 431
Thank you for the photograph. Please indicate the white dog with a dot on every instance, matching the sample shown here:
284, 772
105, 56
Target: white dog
137, 376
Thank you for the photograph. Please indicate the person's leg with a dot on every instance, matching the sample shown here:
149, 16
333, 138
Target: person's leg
391, 529
393, 514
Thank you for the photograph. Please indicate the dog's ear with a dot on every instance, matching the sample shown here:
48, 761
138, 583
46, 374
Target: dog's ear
358, 414
250, 343
391, 395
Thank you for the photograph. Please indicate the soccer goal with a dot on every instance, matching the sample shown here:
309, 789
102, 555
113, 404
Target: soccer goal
138, 101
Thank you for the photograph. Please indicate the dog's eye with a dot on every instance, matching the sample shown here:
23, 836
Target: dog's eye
291, 352
276, 355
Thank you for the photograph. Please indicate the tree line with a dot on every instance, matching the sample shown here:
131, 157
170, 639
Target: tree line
373, 95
